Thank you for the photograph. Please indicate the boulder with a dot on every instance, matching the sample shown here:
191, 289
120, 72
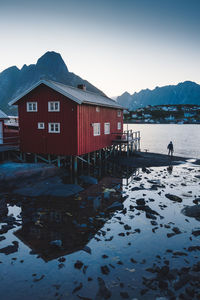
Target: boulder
173, 197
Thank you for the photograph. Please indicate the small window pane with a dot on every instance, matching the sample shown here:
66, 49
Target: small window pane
119, 125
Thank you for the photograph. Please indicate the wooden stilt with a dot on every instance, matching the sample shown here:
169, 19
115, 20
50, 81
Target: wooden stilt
35, 158
49, 158
100, 154
94, 157
75, 165
58, 161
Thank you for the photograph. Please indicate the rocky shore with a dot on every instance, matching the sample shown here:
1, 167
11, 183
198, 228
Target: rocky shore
117, 238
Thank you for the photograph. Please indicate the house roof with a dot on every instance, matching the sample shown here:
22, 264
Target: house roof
3, 115
75, 94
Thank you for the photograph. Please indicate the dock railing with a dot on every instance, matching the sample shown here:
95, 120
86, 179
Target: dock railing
128, 141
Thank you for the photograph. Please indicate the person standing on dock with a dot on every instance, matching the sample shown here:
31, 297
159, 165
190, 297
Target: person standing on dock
170, 147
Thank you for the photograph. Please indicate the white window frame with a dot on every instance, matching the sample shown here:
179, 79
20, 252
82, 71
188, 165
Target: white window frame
52, 127
106, 128
30, 106
41, 125
97, 109
119, 126
119, 113
96, 129
52, 106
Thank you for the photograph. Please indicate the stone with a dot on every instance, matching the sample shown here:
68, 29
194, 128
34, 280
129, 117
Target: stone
115, 206
173, 197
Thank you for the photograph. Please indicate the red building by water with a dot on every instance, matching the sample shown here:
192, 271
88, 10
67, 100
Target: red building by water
61, 120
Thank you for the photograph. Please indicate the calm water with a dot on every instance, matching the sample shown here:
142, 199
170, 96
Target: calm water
155, 138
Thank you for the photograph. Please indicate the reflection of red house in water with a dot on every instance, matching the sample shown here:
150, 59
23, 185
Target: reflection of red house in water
62, 120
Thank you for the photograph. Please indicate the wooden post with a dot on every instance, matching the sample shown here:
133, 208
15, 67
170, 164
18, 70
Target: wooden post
94, 157
75, 165
71, 162
100, 154
88, 158
24, 158
35, 158
128, 148
58, 160
49, 158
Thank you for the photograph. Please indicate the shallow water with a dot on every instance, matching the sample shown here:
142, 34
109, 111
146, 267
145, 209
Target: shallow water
156, 137
83, 229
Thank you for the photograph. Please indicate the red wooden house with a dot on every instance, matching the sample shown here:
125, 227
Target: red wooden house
62, 120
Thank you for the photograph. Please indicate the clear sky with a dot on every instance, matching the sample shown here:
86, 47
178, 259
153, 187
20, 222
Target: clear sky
117, 45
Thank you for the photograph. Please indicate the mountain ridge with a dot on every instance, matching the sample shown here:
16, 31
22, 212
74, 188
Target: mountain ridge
187, 92
14, 81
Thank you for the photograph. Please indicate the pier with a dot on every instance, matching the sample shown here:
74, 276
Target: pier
125, 145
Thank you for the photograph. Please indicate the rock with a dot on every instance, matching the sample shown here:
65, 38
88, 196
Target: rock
196, 232
127, 227
105, 270
78, 264
2, 238
140, 201
103, 292
173, 197
196, 201
87, 249
150, 216
115, 206
76, 289
192, 211
10, 249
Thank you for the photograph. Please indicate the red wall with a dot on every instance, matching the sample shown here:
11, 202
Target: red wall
76, 132
87, 115
39, 141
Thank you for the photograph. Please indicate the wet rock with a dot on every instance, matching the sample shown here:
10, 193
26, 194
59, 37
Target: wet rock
193, 248
127, 227
196, 232
87, 249
154, 223
103, 292
137, 178
104, 256
173, 197
192, 211
133, 260
121, 234
115, 206
78, 264
76, 289
2, 238
196, 201
10, 249
176, 230
38, 279
83, 298
140, 201
179, 253
3, 208
150, 216
105, 270
62, 259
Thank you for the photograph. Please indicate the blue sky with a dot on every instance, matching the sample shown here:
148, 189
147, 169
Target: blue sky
117, 45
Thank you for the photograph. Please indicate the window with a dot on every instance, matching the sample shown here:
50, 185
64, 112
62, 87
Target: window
96, 129
40, 125
118, 125
106, 128
31, 106
97, 109
119, 113
54, 127
54, 106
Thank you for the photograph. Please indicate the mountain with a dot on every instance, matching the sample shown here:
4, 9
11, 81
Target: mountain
187, 92
14, 81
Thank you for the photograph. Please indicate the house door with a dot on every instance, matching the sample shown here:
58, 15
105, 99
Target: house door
1, 133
